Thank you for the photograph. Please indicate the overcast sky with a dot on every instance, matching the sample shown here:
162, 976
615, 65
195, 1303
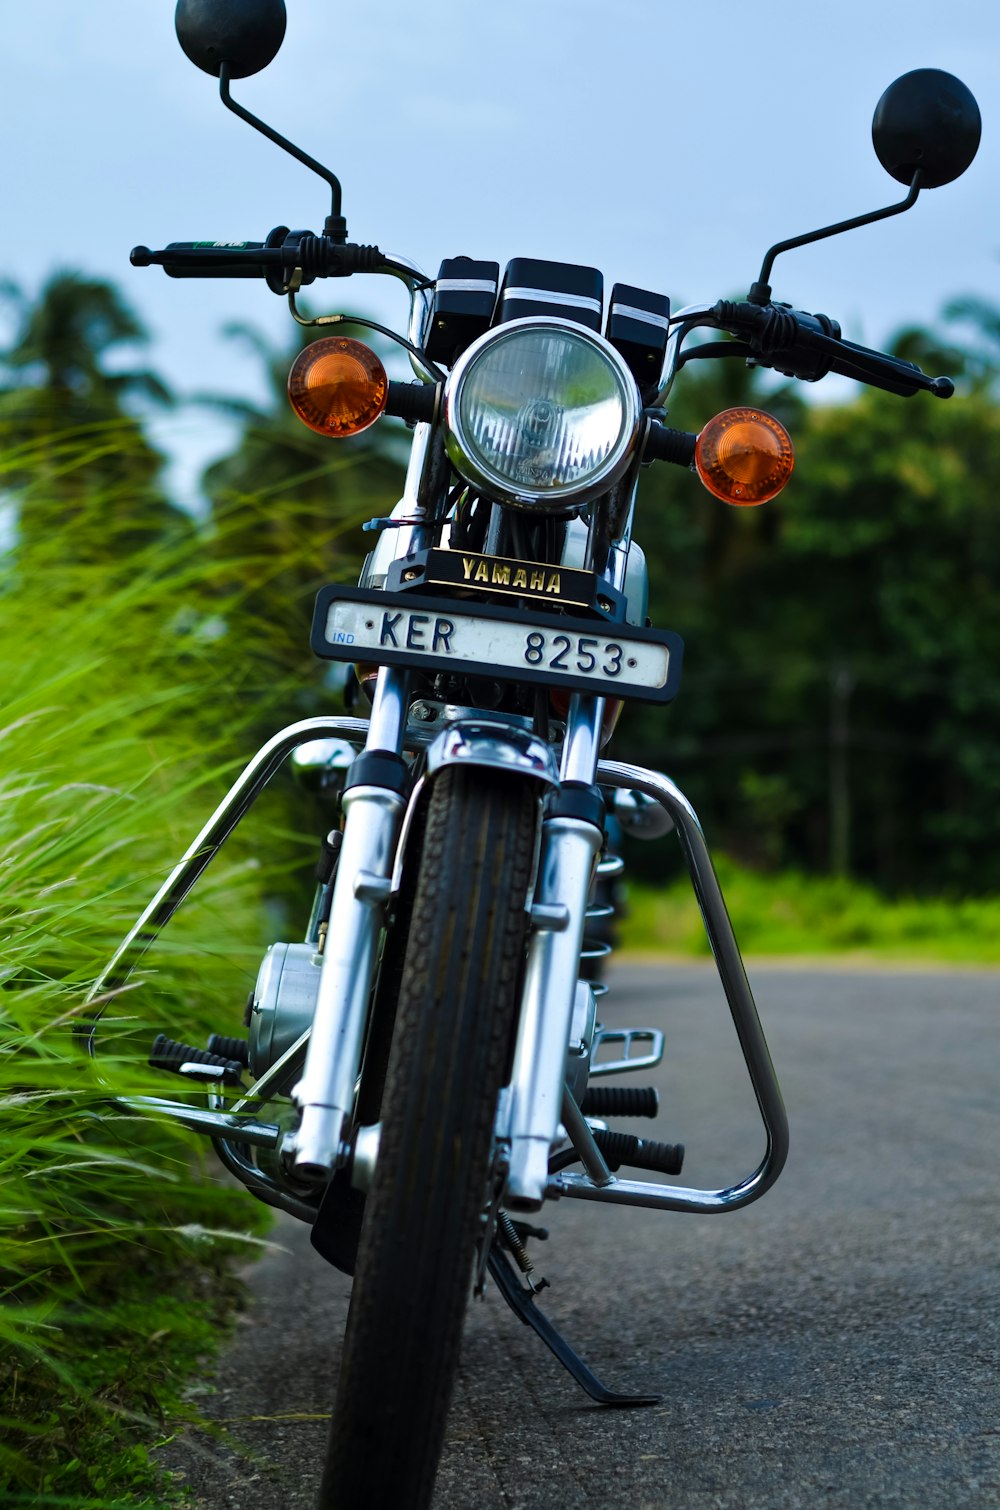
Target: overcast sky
668, 142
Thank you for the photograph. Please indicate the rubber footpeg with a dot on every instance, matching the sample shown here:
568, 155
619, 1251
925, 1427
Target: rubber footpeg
237, 1049
620, 1101
167, 1054
639, 1153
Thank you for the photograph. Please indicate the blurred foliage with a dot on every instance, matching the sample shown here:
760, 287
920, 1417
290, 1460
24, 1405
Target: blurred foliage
787, 913
295, 502
840, 708
139, 651
73, 441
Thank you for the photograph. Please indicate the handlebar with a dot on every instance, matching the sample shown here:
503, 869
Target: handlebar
794, 342
861, 360
807, 346
277, 259
290, 259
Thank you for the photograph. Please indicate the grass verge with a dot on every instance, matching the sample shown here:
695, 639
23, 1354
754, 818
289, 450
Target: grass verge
790, 914
123, 718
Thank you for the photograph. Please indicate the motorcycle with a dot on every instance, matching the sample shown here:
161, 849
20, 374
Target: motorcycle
427, 1067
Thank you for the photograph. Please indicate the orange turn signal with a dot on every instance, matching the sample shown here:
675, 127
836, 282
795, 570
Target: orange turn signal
744, 456
337, 387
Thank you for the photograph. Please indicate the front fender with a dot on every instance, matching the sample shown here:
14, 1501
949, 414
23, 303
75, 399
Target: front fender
494, 745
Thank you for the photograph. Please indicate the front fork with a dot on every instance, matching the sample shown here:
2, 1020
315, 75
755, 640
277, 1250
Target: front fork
571, 841
572, 836
373, 818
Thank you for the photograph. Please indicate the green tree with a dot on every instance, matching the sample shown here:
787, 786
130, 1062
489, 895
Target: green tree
288, 506
983, 358
65, 336
839, 707
83, 473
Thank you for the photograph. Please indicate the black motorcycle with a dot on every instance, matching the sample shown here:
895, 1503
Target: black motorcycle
427, 1066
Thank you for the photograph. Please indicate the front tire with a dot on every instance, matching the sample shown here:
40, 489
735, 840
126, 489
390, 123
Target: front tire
450, 1055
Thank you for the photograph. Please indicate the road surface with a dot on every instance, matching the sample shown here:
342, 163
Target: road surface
833, 1345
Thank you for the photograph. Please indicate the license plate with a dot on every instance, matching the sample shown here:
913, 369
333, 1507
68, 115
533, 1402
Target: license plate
437, 635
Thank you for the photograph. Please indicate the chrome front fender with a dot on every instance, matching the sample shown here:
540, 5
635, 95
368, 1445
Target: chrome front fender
495, 745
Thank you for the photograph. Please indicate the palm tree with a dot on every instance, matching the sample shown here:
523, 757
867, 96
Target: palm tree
76, 459
65, 335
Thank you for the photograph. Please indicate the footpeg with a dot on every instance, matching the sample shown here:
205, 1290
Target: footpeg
621, 1101
196, 1064
230, 1048
639, 1153
625, 1148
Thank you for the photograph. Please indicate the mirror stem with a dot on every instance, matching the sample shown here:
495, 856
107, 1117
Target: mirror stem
336, 226
761, 291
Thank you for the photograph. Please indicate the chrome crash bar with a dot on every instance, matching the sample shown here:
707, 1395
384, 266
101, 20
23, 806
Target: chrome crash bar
199, 854
744, 1013
248, 1129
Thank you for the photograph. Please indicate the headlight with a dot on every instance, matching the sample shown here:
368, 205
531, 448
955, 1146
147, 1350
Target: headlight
541, 414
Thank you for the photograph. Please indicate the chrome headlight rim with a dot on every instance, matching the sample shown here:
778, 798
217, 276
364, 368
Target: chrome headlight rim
541, 500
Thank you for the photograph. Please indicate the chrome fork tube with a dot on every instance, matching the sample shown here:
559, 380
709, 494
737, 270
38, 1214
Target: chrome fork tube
570, 846
387, 724
373, 816
582, 744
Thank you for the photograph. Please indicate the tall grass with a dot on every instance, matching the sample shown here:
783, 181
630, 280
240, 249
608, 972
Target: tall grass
127, 704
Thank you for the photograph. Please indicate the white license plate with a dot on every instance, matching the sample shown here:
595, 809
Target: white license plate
436, 635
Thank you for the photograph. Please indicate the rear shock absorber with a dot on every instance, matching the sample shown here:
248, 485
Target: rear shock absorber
599, 929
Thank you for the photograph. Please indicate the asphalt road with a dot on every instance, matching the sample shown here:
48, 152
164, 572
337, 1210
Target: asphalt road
834, 1345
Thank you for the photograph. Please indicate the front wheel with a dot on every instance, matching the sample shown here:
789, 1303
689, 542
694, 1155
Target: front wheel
450, 1055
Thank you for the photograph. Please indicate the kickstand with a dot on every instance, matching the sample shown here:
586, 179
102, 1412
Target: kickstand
522, 1301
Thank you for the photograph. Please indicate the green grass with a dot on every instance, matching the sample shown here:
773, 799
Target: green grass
125, 713
792, 914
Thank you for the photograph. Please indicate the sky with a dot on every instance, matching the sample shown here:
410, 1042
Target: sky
667, 142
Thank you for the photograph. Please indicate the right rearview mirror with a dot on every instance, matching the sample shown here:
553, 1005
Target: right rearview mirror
243, 35
927, 119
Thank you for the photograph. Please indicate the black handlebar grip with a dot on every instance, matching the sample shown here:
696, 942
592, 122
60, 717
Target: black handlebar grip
892, 374
274, 259
201, 259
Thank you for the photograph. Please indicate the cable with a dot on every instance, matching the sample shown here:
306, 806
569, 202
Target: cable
435, 373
